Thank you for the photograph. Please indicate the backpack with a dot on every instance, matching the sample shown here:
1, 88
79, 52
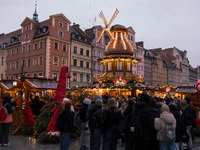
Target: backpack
136, 126
168, 133
3, 112
60, 122
77, 119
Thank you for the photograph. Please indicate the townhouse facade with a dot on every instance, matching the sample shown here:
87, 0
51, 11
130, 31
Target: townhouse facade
80, 57
193, 76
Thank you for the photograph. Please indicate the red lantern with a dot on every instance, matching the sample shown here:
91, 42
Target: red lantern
69, 76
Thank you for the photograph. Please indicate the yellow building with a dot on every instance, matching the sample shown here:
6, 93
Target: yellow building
159, 71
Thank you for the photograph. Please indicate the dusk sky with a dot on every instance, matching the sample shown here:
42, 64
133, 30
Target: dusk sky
159, 23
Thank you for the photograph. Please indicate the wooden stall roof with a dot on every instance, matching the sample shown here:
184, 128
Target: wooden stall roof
186, 89
167, 88
40, 84
6, 84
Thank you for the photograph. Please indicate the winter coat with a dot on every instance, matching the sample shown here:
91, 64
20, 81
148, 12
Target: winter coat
165, 117
95, 118
83, 112
68, 120
192, 111
187, 117
111, 117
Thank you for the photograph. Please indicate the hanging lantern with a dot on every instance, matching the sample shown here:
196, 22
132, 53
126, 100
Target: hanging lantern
69, 76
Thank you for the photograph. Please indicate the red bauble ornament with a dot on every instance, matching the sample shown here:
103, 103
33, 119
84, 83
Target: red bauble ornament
69, 76
197, 85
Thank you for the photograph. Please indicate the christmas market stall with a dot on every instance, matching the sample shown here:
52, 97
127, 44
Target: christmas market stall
164, 91
5, 86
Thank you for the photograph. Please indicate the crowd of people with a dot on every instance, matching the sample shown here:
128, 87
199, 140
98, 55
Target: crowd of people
142, 123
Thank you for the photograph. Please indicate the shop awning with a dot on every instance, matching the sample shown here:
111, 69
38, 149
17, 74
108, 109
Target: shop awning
186, 90
43, 84
6, 84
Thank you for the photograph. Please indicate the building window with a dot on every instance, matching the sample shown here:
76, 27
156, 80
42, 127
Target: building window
81, 51
29, 62
17, 51
142, 68
40, 74
64, 47
81, 77
104, 68
16, 64
119, 65
23, 49
11, 66
109, 66
7, 53
138, 67
29, 48
88, 78
87, 53
75, 62
2, 60
75, 49
99, 54
26, 37
60, 34
35, 46
87, 65
60, 25
34, 75
56, 45
81, 63
64, 60
99, 67
23, 62
55, 76
1, 76
34, 61
93, 66
41, 44
12, 52
26, 27
55, 60
40, 60
74, 77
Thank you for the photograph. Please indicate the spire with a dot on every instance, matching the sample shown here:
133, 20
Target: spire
35, 15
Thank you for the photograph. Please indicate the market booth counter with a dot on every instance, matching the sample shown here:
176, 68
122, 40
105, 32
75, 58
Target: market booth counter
191, 92
5, 86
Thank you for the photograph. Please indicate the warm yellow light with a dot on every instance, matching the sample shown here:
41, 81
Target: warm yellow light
124, 45
114, 44
113, 17
128, 42
110, 34
102, 32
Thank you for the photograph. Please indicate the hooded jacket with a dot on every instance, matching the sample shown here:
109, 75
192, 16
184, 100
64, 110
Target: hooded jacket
165, 118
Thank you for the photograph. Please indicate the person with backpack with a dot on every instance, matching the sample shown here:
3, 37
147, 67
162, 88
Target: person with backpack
6, 123
83, 114
166, 126
96, 124
142, 131
112, 116
66, 126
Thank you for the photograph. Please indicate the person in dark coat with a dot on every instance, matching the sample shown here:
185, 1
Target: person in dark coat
148, 141
96, 124
112, 116
83, 115
36, 106
5, 124
68, 125
128, 115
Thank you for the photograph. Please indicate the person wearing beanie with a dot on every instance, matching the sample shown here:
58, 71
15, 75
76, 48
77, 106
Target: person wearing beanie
147, 116
83, 115
65, 100
165, 118
5, 124
96, 96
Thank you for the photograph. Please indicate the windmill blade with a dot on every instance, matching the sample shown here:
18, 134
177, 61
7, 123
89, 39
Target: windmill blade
101, 15
102, 32
113, 17
110, 34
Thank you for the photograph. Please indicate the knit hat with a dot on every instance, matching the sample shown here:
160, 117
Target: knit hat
87, 101
145, 97
61, 86
188, 100
164, 108
96, 96
66, 99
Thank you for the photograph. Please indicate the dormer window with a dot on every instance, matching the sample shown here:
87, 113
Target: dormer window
38, 31
60, 24
85, 39
79, 37
19, 38
73, 35
12, 39
44, 29
4, 45
26, 27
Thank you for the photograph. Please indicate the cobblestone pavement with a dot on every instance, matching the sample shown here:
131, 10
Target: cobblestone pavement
19, 142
